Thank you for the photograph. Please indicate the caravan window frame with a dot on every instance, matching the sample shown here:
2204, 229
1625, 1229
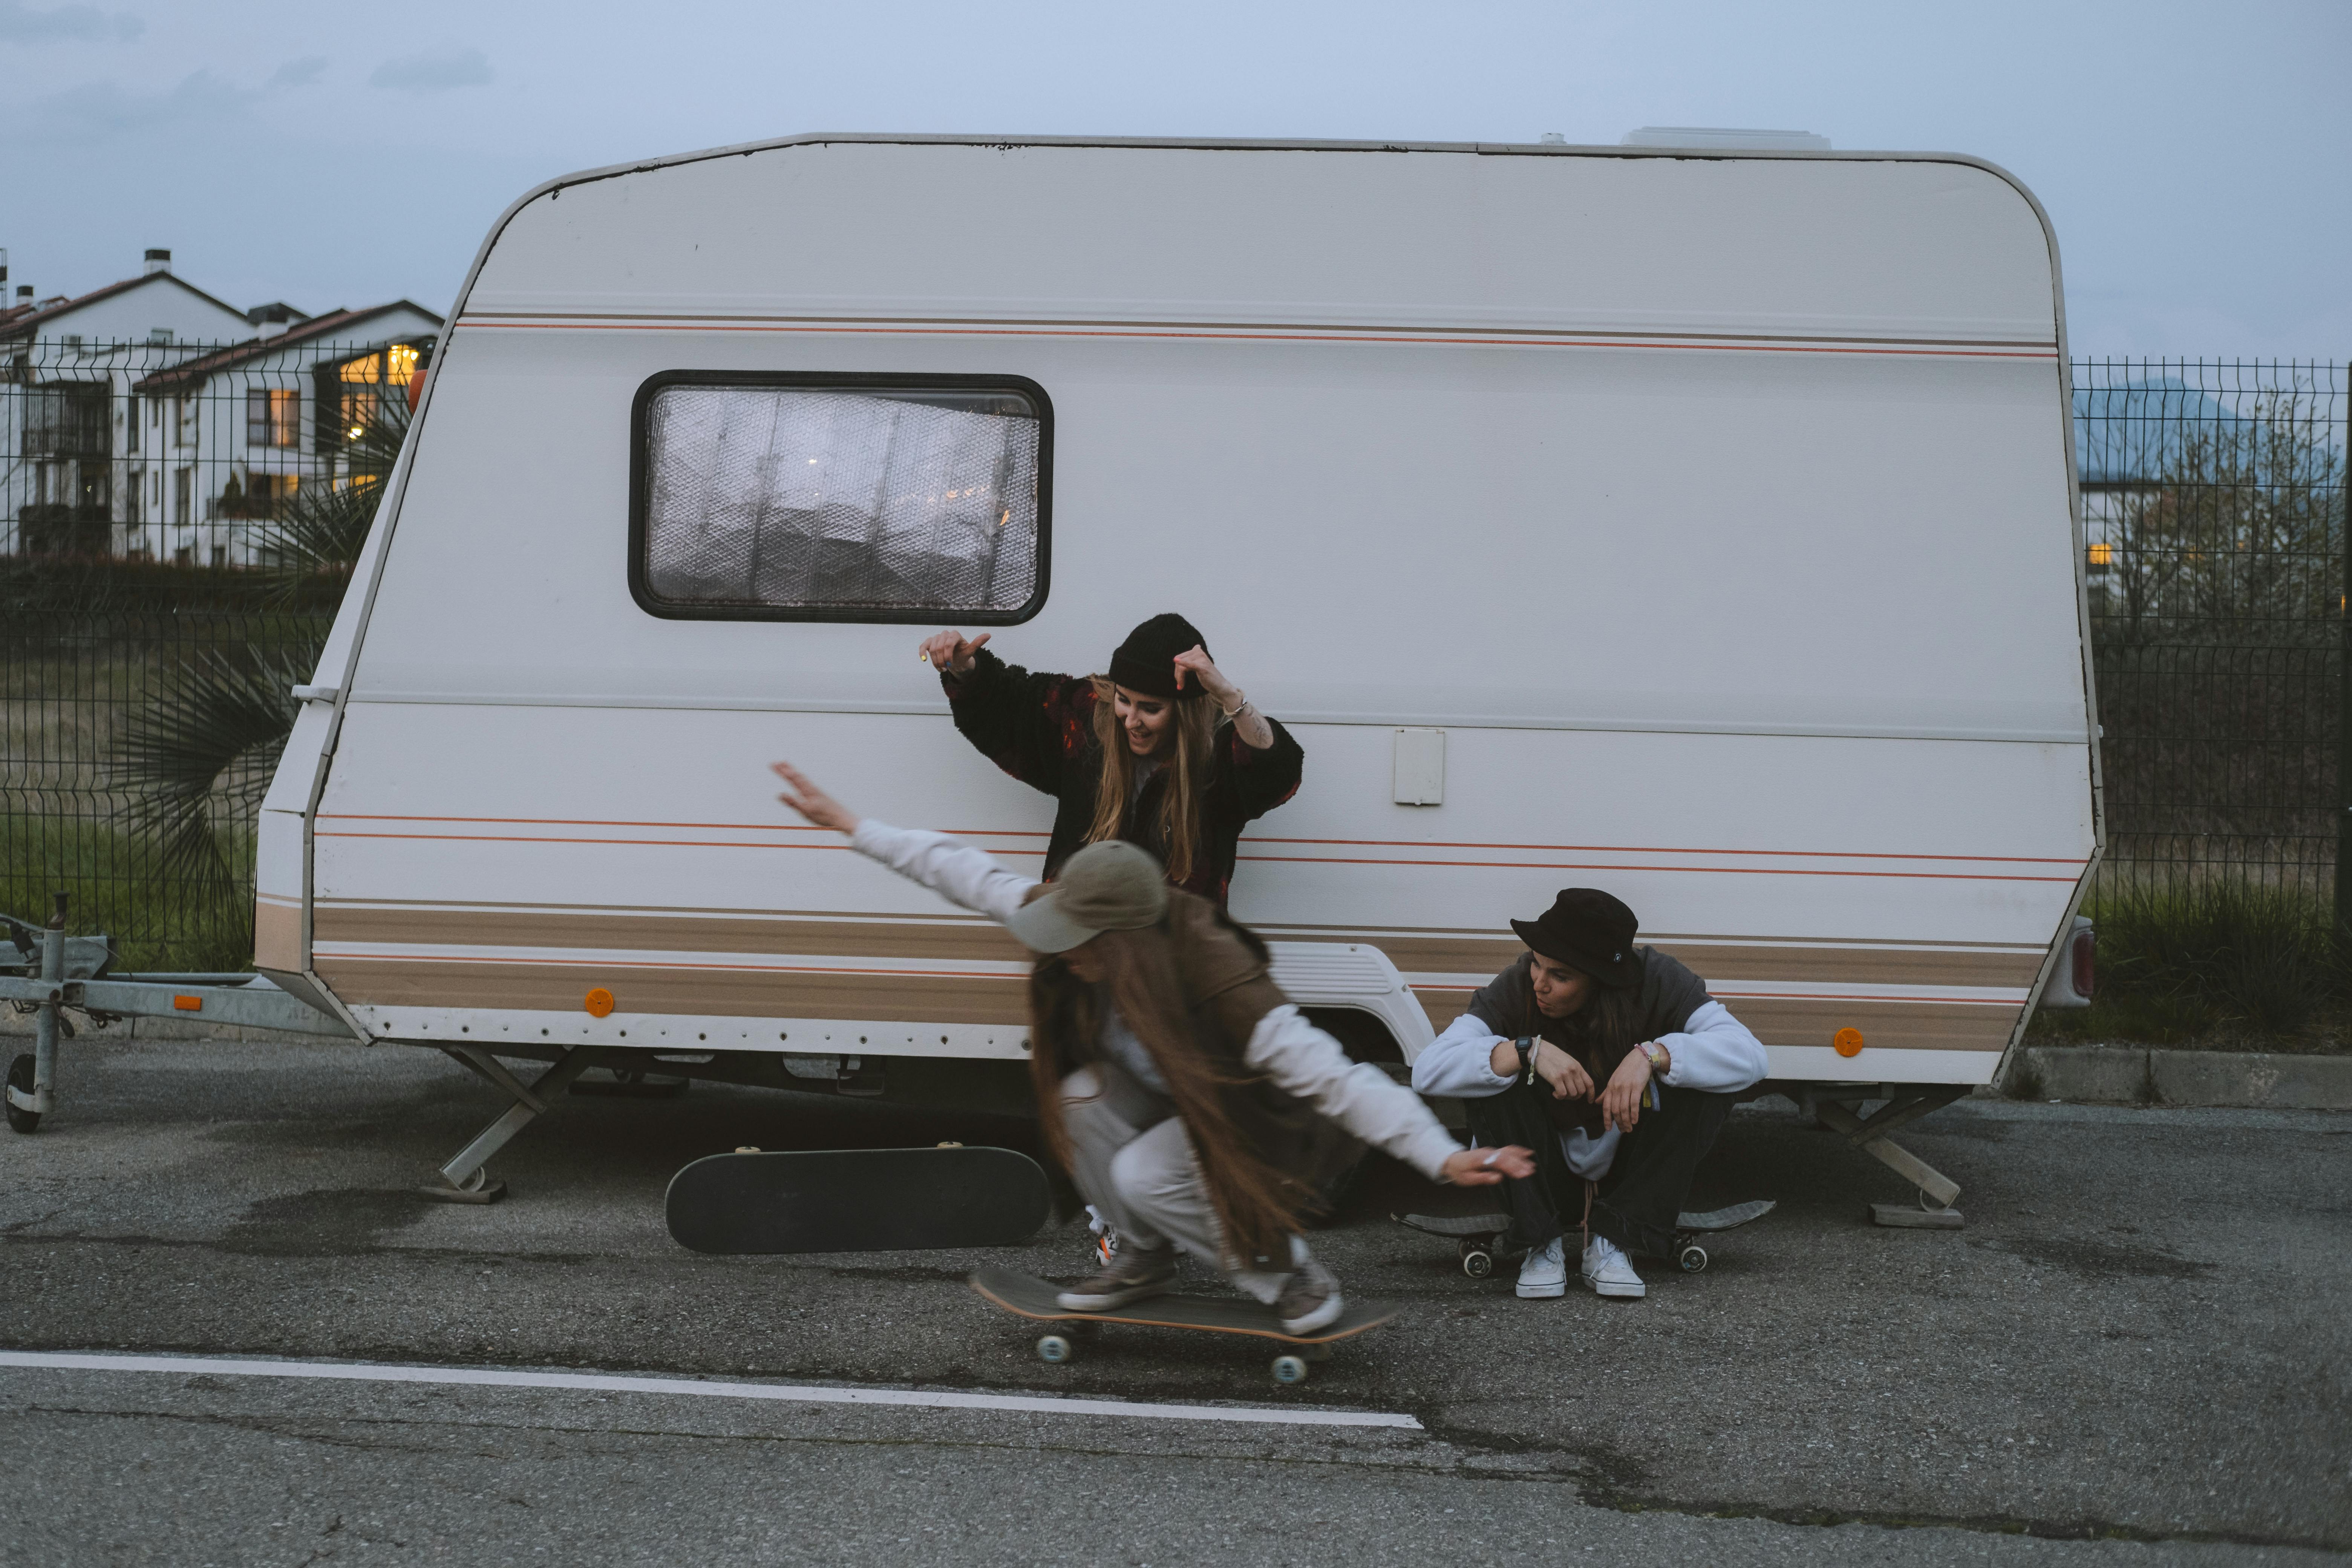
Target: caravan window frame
641, 484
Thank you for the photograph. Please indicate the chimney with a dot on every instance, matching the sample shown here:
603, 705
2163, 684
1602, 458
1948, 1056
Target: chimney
24, 293
158, 261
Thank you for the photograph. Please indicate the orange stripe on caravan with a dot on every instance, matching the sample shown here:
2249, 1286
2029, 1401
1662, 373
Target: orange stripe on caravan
1710, 870
599, 822
538, 962
1366, 843
551, 838
1662, 849
991, 332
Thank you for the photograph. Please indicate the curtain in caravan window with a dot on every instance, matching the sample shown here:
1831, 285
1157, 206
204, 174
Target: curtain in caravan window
788, 500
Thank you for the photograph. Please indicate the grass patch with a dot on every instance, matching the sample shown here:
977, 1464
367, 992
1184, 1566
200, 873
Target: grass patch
114, 883
2218, 966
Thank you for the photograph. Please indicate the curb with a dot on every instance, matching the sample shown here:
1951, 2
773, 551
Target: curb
2132, 1075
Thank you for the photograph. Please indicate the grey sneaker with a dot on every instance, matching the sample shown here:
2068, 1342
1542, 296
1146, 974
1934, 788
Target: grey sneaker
1310, 1299
1128, 1275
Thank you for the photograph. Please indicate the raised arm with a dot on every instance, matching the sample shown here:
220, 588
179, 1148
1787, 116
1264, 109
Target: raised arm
1028, 723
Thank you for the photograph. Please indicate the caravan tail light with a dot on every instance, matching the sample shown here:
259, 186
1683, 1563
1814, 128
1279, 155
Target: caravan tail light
2083, 956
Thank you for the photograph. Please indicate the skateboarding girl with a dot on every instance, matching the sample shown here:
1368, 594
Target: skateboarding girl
1614, 1064
1164, 751
1191, 1103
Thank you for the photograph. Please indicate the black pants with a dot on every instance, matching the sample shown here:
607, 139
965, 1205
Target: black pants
1637, 1201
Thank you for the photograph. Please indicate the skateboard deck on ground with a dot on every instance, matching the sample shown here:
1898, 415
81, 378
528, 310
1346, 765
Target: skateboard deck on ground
1479, 1238
857, 1200
1029, 1297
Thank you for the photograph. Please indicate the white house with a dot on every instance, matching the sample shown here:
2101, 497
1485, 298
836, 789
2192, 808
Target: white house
234, 433
64, 405
149, 418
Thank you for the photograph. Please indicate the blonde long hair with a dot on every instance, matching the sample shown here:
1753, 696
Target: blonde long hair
1180, 803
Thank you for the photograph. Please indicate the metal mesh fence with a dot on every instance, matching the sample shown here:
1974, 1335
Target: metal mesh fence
176, 525
2213, 514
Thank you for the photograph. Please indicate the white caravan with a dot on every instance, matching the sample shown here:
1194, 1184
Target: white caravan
1696, 525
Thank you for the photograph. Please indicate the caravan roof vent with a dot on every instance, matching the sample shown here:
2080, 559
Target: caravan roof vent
1725, 139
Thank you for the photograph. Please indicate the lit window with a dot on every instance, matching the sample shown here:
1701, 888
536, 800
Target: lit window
2102, 554
891, 499
273, 416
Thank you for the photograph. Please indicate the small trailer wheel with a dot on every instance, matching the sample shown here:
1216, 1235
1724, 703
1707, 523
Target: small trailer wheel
1055, 1348
20, 1078
1289, 1369
1477, 1262
1693, 1258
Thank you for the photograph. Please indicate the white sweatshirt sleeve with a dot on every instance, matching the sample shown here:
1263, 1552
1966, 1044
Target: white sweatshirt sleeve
957, 872
1305, 1062
1714, 1051
1461, 1061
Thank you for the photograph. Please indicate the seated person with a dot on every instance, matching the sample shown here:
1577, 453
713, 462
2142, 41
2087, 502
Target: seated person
1615, 1066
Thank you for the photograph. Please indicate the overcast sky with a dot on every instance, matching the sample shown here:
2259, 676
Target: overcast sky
2193, 157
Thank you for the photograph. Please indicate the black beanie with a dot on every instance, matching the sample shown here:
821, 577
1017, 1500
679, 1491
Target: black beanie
1146, 661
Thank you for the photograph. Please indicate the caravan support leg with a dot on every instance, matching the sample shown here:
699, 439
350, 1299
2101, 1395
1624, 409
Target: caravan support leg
468, 1180
1869, 1136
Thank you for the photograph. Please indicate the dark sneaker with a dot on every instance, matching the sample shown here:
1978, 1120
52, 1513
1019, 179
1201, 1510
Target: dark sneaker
1128, 1275
1309, 1300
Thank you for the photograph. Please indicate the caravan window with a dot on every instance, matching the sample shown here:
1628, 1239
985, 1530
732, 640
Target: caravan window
841, 498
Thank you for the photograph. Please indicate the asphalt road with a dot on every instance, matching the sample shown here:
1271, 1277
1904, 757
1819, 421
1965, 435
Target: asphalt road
2137, 1349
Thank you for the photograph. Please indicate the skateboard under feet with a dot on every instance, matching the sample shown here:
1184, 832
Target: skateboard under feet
1480, 1238
1027, 1296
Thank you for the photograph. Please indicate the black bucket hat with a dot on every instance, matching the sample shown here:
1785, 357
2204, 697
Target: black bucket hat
1146, 661
1588, 930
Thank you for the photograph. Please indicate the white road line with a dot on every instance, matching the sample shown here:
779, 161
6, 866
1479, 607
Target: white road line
803, 1393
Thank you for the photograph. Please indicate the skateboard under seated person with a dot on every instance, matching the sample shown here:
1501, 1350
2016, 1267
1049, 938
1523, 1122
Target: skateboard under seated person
1614, 1064
1192, 1104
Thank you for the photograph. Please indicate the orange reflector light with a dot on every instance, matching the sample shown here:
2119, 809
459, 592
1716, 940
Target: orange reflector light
600, 1003
1848, 1042
188, 1003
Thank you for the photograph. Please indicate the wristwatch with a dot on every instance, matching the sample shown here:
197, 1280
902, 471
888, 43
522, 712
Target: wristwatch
1656, 1056
1525, 1045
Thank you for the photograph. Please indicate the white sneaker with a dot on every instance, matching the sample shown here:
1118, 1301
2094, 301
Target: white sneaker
1610, 1272
1544, 1273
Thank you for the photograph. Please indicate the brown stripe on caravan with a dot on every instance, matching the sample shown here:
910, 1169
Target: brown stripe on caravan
277, 936
909, 998
974, 939
1813, 1021
1875, 965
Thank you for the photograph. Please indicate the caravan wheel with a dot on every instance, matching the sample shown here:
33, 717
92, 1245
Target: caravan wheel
20, 1078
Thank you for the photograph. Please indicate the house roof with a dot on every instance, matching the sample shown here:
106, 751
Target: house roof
21, 323
329, 327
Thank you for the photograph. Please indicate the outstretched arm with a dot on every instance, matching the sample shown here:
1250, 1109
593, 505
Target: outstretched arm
957, 872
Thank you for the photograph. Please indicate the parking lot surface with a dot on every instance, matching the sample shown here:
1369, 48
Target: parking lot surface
2135, 1349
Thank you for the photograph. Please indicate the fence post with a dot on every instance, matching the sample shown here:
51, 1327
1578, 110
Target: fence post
2344, 684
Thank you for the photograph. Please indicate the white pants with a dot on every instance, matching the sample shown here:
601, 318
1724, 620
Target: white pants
1130, 1156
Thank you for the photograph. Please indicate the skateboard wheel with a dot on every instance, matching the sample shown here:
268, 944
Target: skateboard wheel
1055, 1348
1477, 1262
1289, 1369
1693, 1258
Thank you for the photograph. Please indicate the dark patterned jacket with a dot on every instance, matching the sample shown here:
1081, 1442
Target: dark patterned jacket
1040, 729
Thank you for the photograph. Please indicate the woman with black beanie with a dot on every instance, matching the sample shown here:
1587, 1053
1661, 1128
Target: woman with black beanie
1163, 752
